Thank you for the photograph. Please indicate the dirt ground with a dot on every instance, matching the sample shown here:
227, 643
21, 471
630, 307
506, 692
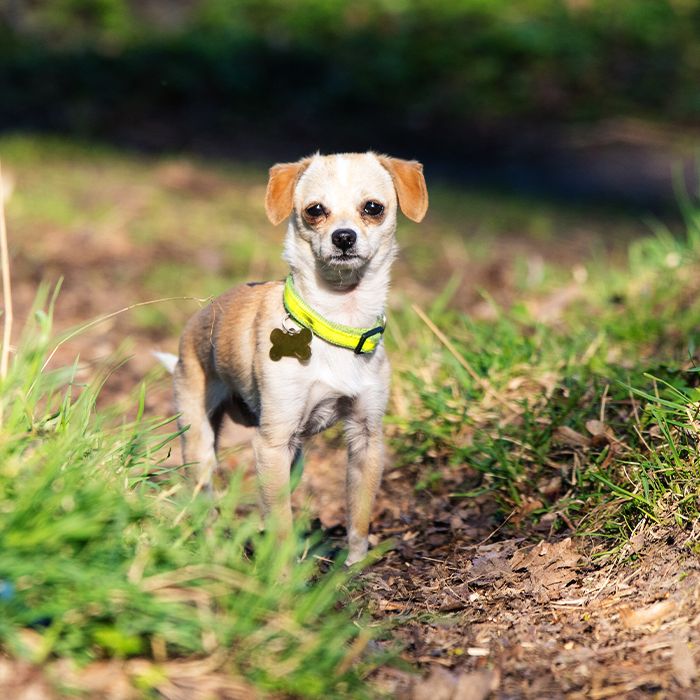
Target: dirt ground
480, 608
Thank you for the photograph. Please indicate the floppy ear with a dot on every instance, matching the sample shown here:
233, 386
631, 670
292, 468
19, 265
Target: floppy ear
279, 197
410, 186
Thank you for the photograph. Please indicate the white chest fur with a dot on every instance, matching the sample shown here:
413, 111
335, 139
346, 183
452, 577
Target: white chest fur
340, 371
306, 397
333, 379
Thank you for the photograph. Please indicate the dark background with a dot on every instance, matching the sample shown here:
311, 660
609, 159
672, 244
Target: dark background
573, 98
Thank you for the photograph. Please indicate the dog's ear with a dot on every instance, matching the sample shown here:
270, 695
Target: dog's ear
410, 186
279, 198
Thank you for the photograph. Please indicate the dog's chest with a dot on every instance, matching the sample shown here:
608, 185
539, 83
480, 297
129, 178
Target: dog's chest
340, 370
334, 378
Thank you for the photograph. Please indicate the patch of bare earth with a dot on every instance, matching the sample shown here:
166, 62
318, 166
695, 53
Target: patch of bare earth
480, 612
483, 614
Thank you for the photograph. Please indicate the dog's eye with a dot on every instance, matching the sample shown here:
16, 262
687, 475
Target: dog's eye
372, 208
315, 210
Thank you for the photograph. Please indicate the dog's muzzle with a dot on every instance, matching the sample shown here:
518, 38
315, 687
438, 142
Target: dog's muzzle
344, 239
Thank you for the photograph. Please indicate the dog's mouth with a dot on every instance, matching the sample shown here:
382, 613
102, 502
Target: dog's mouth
348, 259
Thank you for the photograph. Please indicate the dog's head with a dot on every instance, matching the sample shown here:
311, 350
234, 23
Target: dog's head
344, 206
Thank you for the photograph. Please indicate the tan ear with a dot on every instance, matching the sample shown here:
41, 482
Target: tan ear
410, 186
279, 198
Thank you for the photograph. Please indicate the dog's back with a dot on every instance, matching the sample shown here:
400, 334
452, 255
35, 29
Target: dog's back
223, 340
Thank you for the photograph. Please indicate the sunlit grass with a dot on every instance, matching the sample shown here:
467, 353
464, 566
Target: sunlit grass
107, 554
588, 419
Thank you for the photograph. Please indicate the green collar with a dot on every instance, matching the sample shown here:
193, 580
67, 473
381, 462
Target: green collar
360, 340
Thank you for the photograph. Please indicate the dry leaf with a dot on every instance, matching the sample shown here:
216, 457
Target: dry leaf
551, 567
645, 616
491, 567
551, 486
596, 427
564, 435
636, 542
601, 433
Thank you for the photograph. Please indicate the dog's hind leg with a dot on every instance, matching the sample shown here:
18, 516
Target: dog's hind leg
198, 402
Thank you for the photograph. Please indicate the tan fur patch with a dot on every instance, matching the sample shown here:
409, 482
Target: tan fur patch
280, 189
410, 186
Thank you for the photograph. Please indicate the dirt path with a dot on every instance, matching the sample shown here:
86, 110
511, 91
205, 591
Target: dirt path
485, 608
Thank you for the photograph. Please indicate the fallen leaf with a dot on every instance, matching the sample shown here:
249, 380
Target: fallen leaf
645, 616
636, 542
564, 435
490, 567
528, 506
596, 427
601, 433
550, 486
551, 566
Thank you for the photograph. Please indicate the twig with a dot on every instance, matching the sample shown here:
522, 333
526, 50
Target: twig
453, 351
500, 527
603, 401
6, 287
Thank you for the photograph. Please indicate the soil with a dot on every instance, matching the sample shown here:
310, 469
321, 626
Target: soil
479, 607
481, 612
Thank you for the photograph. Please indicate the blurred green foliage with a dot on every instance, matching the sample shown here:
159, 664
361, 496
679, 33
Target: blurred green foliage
413, 64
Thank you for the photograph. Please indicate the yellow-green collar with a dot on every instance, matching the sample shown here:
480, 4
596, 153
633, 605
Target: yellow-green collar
360, 340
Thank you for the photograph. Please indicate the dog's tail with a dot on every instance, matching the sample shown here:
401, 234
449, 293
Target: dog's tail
167, 359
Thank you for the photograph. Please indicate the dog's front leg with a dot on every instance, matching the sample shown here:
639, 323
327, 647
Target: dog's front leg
365, 465
274, 454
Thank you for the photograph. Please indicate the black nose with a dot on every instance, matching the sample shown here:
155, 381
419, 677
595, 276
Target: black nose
344, 238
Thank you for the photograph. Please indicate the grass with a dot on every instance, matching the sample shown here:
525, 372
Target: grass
571, 398
588, 420
106, 554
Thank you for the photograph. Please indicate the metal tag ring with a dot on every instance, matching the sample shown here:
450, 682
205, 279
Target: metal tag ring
287, 329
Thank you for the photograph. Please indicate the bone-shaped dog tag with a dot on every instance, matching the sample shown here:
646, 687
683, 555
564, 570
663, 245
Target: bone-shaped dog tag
290, 344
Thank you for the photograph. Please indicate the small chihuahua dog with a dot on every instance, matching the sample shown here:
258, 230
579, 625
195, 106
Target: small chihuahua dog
292, 358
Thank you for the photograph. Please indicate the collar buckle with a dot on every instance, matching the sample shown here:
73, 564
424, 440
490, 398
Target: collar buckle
365, 336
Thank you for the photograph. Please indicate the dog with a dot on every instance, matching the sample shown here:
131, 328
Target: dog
293, 357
